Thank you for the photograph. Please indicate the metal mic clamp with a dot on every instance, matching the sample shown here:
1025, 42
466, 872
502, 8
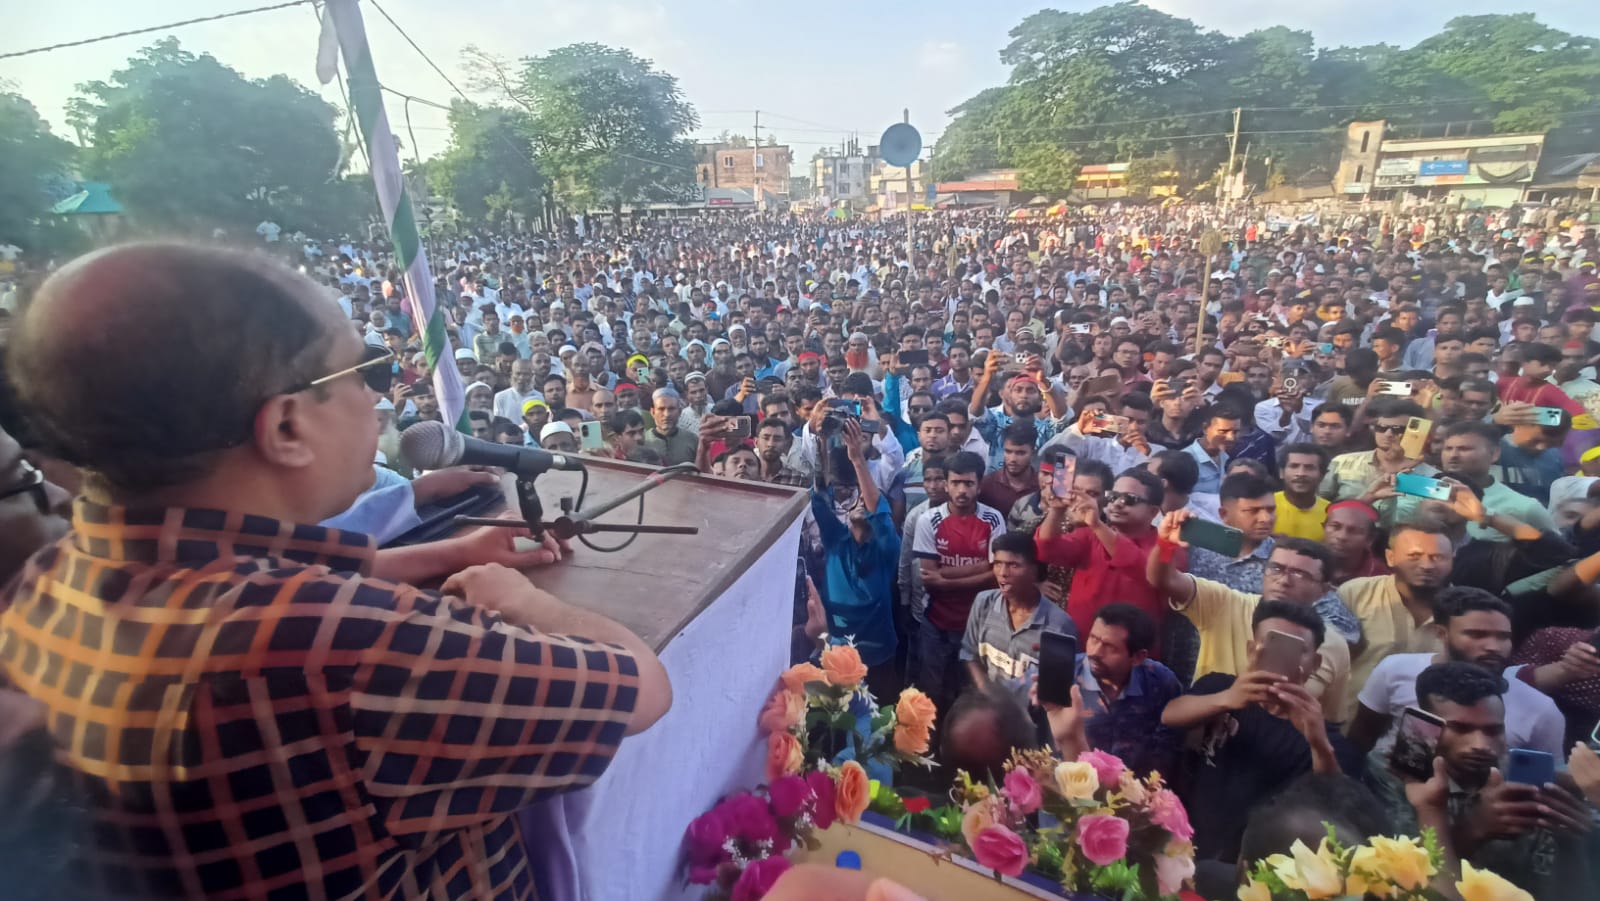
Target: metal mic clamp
581, 522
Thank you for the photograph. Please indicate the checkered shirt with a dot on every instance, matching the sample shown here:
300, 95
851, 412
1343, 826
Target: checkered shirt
250, 716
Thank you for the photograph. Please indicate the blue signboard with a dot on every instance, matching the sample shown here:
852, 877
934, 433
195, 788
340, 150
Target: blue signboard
1443, 167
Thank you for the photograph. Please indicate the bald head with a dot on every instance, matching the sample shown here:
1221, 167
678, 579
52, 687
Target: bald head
139, 362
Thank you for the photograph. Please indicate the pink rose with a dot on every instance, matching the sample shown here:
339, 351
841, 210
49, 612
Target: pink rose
751, 820
788, 794
706, 834
1023, 792
1167, 812
822, 789
758, 878
1103, 838
1108, 767
1001, 850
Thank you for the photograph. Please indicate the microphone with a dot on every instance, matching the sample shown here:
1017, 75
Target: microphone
433, 445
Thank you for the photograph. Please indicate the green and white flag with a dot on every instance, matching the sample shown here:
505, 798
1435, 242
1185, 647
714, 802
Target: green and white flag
342, 26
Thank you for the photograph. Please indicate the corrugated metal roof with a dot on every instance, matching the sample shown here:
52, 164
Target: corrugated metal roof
93, 198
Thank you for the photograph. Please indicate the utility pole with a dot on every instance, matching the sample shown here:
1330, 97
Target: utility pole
755, 157
1233, 145
911, 236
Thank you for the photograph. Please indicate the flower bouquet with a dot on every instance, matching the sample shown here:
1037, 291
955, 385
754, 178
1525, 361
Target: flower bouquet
827, 712
1394, 868
740, 846
1104, 831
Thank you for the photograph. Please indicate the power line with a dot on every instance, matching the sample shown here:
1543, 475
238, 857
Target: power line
425, 58
167, 27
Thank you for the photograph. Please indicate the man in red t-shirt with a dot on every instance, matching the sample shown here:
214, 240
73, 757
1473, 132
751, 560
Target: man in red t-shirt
1107, 551
951, 544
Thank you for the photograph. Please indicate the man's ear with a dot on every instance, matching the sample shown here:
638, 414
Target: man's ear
281, 431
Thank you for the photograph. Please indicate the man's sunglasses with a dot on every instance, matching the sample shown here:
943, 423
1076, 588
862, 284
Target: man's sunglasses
376, 369
1387, 429
1132, 500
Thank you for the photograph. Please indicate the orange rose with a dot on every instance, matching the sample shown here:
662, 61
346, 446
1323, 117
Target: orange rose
910, 739
785, 710
796, 677
784, 757
843, 666
915, 710
852, 792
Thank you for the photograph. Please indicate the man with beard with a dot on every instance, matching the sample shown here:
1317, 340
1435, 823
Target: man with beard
508, 403
1022, 399
1395, 609
773, 441
1531, 835
933, 440
1477, 629
1296, 573
1349, 531
1016, 478
1301, 512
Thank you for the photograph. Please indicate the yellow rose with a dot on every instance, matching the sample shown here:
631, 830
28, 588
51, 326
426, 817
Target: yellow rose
1404, 861
1314, 873
980, 816
1254, 891
1076, 781
1482, 885
1365, 878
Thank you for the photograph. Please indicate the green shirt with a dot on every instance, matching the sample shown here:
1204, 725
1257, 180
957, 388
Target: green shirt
678, 447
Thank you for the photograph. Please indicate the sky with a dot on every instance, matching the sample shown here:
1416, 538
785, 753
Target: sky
818, 72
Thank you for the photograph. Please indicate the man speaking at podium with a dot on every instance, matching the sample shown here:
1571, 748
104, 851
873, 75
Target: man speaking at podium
251, 707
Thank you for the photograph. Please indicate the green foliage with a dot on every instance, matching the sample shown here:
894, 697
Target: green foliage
488, 173
1145, 174
1126, 81
1044, 169
30, 157
190, 144
607, 126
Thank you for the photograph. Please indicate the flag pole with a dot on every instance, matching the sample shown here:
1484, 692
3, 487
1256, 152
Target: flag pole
366, 102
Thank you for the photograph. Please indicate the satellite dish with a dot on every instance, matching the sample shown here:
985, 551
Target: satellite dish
900, 145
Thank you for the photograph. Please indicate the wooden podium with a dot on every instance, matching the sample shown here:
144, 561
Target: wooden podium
718, 608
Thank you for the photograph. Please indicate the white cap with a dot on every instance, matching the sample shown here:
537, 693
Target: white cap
464, 353
554, 428
384, 403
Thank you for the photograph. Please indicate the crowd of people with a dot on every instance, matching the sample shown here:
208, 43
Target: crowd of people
1279, 494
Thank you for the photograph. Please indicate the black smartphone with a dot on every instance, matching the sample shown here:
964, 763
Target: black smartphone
1416, 740
421, 391
1212, 536
1527, 767
1058, 658
913, 358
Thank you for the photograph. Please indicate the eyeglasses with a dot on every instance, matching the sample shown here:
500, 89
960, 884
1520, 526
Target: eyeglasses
1387, 429
32, 482
919, 411
1290, 573
376, 368
1122, 497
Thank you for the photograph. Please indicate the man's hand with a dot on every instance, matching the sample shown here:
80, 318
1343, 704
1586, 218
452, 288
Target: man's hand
1563, 811
712, 428
1464, 503
1584, 765
890, 361
1084, 418
991, 363
851, 434
1504, 809
505, 591
1133, 436
1293, 703
398, 396
1254, 687
819, 412
449, 482
1086, 511
497, 545
1430, 796
1053, 592
1171, 530
1382, 489
1516, 412
1161, 390
747, 387
816, 616
1580, 661
1066, 723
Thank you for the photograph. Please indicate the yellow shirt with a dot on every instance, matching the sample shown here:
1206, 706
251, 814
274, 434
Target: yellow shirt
1297, 523
1222, 616
1387, 627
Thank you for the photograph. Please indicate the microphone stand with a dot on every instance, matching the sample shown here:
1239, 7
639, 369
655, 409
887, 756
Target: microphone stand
581, 522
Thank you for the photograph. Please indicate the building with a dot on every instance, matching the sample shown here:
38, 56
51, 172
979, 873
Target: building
1492, 171
843, 177
757, 170
1574, 176
992, 187
887, 186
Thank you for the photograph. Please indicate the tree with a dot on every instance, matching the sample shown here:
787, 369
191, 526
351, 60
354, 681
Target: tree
1144, 175
1043, 169
189, 143
488, 173
1530, 75
607, 126
31, 158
